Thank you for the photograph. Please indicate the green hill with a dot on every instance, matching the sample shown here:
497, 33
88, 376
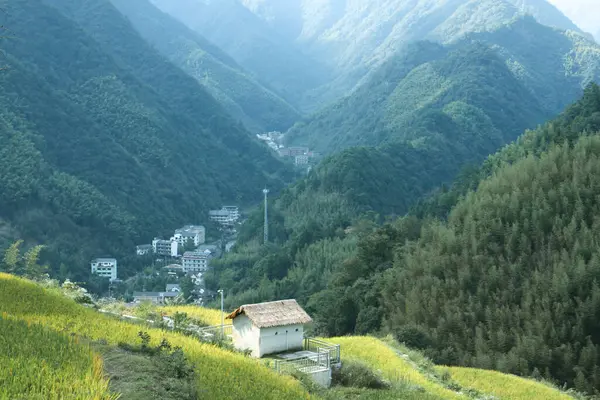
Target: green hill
515, 257
105, 143
277, 61
350, 39
244, 98
545, 69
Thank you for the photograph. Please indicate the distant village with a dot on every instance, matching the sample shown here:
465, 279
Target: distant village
302, 156
187, 249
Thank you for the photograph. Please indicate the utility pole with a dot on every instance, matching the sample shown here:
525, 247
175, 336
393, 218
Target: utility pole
222, 315
266, 238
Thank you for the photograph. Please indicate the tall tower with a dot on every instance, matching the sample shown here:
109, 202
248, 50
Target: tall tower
266, 239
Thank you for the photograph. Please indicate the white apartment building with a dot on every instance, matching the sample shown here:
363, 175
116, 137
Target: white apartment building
190, 232
195, 262
105, 267
167, 248
227, 215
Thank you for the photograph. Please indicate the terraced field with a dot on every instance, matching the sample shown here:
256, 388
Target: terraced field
222, 374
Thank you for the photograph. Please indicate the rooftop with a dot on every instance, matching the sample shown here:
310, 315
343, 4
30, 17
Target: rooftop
274, 313
155, 294
110, 260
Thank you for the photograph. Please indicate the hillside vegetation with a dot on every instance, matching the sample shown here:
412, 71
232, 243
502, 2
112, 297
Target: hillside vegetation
221, 374
514, 257
41, 323
245, 99
487, 87
341, 40
39, 364
105, 143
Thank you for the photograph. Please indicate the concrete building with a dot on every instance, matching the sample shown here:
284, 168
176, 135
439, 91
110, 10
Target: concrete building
167, 248
105, 267
194, 262
226, 216
143, 249
293, 151
269, 328
173, 287
195, 233
153, 297
301, 160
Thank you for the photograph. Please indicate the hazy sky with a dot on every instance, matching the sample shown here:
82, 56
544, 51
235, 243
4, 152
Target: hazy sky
585, 13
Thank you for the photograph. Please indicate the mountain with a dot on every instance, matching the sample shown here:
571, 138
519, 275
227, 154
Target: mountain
106, 143
354, 37
549, 67
277, 62
511, 276
242, 96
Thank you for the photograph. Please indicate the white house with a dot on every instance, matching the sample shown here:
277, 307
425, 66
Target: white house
197, 234
226, 216
269, 328
193, 261
167, 248
105, 267
143, 249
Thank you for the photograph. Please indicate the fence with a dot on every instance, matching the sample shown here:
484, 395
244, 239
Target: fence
318, 346
312, 363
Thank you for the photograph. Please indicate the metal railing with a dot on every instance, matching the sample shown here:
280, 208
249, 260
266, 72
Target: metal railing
312, 363
318, 346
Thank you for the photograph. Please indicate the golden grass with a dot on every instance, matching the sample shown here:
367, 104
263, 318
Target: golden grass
503, 386
222, 374
208, 316
384, 359
38, 363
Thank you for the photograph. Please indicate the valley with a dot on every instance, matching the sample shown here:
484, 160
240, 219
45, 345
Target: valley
410, 186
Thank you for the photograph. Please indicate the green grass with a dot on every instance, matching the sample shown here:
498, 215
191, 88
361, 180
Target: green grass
503, 386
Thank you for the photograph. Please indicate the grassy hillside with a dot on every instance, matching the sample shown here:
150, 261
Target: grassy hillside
221, 374
244, 98
47, 325
106, 143
40, 363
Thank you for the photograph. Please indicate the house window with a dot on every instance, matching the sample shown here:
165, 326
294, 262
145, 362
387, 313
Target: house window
297, 329
276, 333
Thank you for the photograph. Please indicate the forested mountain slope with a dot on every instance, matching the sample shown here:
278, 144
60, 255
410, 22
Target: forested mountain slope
275, 59
104, 141
352, 37
510, 279
243, 97
548, 69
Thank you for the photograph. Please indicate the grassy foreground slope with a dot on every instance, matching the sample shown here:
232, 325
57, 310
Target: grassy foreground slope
221, 374
61, 368
501, 385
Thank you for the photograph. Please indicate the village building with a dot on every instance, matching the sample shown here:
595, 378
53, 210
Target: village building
153, 297
190, 233
226, 216
105, 267
144, 249
193, 261
166, 248
269, 328
173, 287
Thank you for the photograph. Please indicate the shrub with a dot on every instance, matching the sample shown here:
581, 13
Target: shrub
359, 375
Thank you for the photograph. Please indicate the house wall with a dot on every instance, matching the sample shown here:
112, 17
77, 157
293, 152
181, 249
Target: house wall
245, 335
280, 338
